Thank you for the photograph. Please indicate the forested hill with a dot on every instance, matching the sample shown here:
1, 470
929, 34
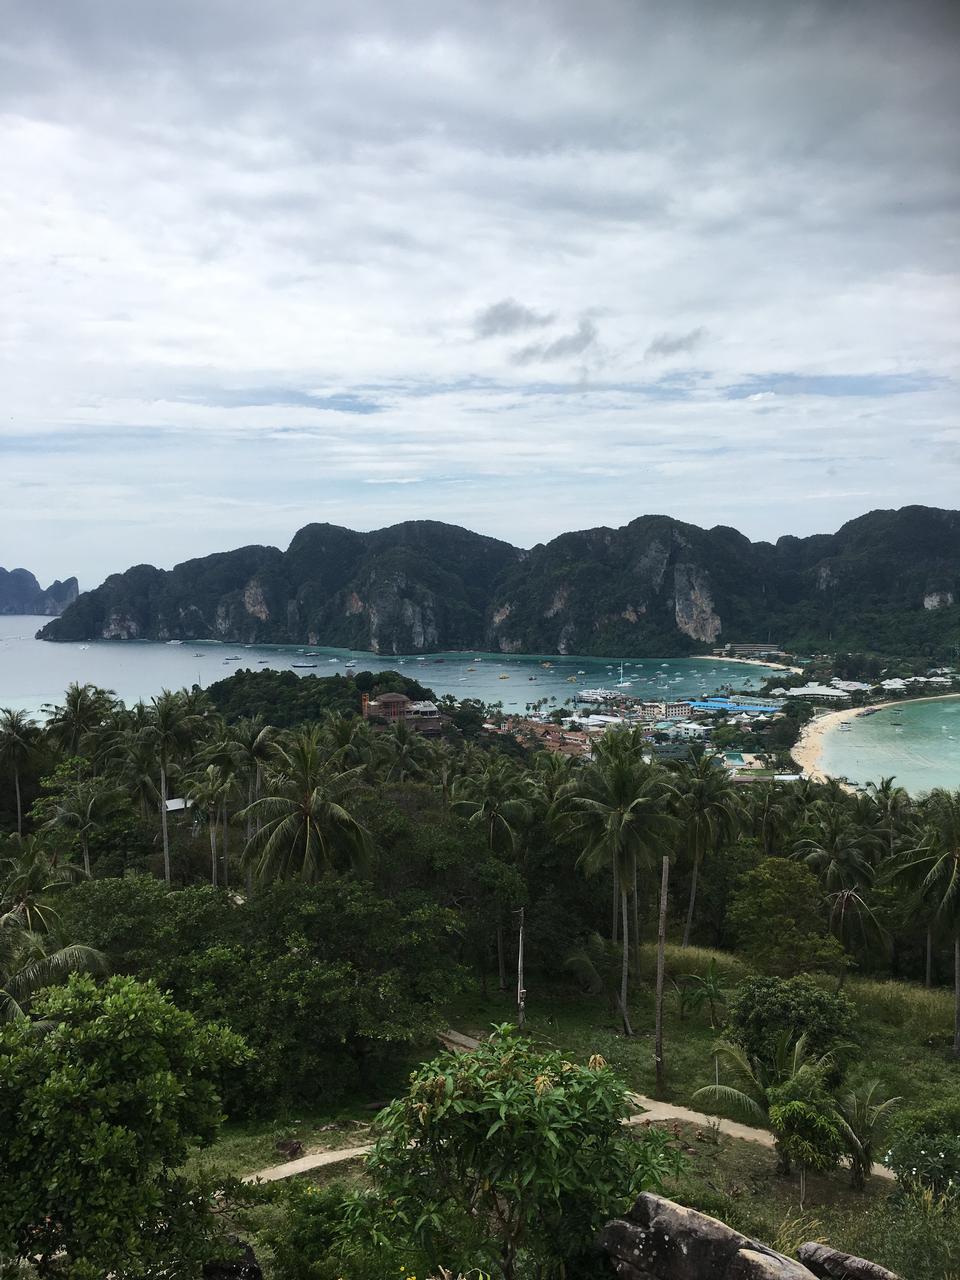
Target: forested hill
20, 592
888, 581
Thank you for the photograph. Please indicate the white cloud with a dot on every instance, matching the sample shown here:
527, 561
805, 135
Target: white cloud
216, 216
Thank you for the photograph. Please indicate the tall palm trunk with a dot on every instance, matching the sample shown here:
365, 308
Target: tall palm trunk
956, 994
212, 824
636, 923
693, 895
225, 843
163, 822
625, 964
928, 976
16, 786
661, 948
86, 855
615, 914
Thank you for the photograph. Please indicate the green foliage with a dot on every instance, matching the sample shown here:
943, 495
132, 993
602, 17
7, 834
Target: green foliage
925, 1150
507, 1157
323, 981
764, 1009
286, 700
96, 1113
778, 919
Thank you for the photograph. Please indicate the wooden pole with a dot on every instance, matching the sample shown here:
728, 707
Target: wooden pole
521, 992
661, 946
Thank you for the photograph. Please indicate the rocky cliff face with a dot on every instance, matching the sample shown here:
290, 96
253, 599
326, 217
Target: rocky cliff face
21, 593
888, 582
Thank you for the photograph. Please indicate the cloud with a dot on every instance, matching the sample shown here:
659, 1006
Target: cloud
508, 317
673, 344
257, 222
568, 344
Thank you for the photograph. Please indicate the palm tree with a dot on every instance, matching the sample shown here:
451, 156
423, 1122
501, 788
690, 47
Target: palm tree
621, 813
709, 809
403, 752
29, 879
304, 823
842, 854
759, 1078
18, 738
82, 809
170, 732
206, 793
938, 870
85, 708
254, 741
893, 808
30, 961
493, 801
865, 1118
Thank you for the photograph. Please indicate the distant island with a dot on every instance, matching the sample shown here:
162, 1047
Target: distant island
886, 582
21, 593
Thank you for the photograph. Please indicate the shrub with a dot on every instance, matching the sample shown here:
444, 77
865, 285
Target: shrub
763, 1009
925, 1151
684, 962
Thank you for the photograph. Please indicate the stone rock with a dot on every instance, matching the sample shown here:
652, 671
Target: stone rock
661, 1240
246, 1266
828, 1264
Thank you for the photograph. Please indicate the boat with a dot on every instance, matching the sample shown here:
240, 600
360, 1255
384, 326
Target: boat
234, 658
471, 668
844, 727
581, 673
262, 662
621, 683
174, 642
503, 676
83, 647
301, 666
570, 679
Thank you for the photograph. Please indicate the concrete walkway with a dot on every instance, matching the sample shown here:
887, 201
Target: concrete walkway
652, 1112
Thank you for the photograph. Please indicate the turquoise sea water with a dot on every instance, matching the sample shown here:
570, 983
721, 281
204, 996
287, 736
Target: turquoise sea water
35, 672
917, 742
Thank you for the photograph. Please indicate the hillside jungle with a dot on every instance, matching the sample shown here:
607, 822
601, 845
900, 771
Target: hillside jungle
190, 992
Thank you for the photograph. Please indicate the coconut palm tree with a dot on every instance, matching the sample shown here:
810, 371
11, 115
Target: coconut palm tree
170, 732
493, 801
937, 868
85, 708
842, 854
29, 879
621, 815
206, 793
18, 739
403, 753
893, 808
709, 810
304, 823
30, 961
865, 1119
82, 809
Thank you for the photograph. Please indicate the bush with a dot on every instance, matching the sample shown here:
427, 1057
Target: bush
916, 1235
925, 1151
764, 1008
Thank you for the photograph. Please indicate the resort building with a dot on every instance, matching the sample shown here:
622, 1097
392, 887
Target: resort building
767, 650
823, 693
391, 707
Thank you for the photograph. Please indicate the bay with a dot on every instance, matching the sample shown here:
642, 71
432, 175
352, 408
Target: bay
918, 743
34, 672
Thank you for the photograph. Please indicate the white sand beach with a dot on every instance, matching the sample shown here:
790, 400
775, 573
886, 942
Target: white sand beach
809, 746
749, 662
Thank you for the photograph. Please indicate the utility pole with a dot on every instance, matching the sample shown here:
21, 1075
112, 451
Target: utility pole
661, 945
521, 991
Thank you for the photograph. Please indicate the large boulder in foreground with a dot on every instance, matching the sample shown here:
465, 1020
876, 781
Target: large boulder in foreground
828, 1264
660, 1240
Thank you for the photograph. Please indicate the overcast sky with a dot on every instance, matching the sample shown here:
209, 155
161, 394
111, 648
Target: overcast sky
524, 266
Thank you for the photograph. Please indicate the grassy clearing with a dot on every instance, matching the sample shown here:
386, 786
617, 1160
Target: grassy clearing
244, 1147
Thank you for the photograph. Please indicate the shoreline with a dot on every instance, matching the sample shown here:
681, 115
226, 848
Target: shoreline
749, 662
809, 746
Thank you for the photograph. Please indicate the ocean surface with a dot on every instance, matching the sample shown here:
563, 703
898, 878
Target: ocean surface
916, 742
34, 673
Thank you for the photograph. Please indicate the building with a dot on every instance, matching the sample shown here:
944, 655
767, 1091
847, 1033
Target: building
767, 650
665, 710
820, 693
390, 707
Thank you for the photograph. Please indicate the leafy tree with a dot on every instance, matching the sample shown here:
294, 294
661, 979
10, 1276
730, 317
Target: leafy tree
511, 1150
778, 919
31, 961
96, 1116
763, 1010
82, 809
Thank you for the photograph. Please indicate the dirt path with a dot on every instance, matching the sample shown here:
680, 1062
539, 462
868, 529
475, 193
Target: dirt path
652, 1112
